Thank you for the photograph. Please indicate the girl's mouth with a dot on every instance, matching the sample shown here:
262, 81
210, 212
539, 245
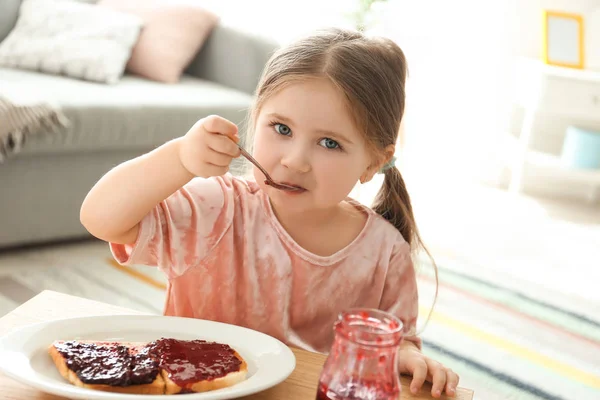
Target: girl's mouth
293, 185
285, 186
299, 189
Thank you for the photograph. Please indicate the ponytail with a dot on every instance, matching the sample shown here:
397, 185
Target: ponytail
393, 203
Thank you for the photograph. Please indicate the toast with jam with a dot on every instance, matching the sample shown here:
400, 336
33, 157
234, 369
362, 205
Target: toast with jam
163, 366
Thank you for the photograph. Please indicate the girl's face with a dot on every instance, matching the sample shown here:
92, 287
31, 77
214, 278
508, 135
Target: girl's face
304, 136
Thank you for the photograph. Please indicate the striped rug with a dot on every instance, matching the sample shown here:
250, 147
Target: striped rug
505, 340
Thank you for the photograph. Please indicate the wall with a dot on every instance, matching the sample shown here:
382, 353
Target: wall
526, 40
461, 119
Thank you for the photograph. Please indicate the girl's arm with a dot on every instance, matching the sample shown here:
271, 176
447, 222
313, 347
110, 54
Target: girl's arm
401, 298
114, 207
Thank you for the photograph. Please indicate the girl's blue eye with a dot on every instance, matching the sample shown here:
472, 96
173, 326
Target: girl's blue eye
329, 144
283, 129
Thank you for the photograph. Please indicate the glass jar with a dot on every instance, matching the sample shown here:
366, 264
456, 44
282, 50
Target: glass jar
363, 361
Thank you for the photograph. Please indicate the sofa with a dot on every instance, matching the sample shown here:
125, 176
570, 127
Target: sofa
43, 186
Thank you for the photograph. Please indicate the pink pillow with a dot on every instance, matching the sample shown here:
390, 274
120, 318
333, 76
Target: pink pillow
172, 35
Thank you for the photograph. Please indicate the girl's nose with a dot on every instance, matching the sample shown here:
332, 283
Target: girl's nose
296, 160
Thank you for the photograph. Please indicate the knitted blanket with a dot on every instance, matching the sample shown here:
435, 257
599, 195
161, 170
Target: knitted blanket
23, 115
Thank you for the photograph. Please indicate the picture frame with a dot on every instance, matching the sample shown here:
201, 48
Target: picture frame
563, 41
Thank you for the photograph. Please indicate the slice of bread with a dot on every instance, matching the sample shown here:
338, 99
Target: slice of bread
156, 387
162, 384
209, 384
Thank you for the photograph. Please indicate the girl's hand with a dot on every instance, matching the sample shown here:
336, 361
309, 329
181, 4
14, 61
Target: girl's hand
209, 146
423, 369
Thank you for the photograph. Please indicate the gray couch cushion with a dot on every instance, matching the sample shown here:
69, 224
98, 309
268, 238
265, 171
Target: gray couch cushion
134, 114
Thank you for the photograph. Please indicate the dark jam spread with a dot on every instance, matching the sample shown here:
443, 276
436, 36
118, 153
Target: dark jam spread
110, 364
190, 361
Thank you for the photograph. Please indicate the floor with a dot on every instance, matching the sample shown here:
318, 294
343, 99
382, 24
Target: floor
80, 268
531, 243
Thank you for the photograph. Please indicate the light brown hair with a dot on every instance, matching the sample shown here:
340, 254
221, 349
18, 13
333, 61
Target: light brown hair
371, 73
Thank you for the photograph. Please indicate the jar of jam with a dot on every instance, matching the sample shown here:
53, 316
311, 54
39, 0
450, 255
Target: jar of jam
363, 361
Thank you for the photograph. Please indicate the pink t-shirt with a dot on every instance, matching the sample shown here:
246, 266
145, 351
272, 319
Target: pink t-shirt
227, 258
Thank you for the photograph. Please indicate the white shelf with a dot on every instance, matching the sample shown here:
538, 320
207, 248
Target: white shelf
535, 66
554, 166
569, 93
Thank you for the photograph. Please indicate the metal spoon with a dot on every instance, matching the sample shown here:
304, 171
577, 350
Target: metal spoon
269, 181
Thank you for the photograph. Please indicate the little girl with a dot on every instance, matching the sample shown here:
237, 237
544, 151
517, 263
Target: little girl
327, 114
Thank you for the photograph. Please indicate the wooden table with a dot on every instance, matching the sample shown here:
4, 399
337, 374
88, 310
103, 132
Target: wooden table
48, 306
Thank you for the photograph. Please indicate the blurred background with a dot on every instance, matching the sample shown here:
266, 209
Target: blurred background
500, 149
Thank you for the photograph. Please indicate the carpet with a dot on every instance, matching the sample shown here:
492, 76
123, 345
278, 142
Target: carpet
505, 342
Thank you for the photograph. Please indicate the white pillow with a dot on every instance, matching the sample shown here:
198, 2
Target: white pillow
69, 38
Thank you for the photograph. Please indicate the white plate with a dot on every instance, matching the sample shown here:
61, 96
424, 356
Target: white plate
24, 352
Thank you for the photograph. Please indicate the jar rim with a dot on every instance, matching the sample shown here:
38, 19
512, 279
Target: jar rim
370, 327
